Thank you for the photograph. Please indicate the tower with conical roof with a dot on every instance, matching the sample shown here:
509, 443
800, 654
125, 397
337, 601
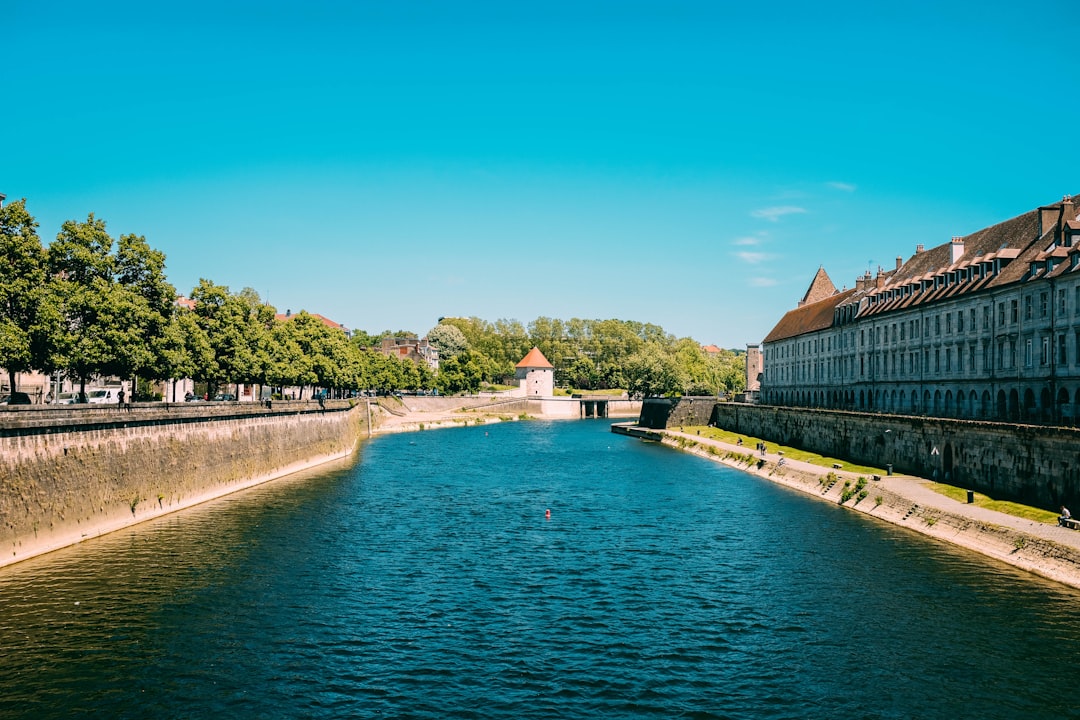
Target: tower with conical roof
535, 374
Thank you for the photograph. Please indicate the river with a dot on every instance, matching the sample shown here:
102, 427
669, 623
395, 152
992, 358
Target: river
422, 579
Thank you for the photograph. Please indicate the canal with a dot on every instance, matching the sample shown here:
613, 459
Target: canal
423, 579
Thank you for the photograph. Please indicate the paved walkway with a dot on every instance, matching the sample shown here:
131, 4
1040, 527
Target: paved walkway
916, 490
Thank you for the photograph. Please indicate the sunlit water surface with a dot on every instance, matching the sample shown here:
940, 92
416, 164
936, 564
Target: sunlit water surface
423, 580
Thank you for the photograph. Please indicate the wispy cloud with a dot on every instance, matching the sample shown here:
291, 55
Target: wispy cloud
751, 257
773, 214
837, 185
747, 240
762, 282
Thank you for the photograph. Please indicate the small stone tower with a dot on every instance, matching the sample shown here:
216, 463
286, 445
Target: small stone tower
536, 375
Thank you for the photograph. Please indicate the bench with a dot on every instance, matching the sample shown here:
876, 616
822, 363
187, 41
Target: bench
1071, 523
837, 466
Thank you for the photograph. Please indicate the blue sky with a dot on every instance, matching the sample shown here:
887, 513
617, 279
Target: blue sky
689, 164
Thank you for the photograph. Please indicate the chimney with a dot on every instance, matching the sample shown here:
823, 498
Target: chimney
919, 248
957, 248
879, 281
1048, 217
899, 262
2, 198
1067, 207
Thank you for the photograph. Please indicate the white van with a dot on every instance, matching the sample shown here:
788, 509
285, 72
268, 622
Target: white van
102, 395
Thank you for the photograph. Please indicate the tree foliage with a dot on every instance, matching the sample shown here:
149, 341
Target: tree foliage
24, 298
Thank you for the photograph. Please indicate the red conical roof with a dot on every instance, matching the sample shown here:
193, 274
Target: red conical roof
535, 359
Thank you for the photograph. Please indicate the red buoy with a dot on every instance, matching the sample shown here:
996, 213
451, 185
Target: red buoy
547, 514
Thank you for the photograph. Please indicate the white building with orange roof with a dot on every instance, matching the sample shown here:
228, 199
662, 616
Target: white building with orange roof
535, 375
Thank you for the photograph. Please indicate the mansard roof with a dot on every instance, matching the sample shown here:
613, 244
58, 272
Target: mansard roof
1031, 246
808, 318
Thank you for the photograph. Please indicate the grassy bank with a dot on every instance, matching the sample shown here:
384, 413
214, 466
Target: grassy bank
956, 493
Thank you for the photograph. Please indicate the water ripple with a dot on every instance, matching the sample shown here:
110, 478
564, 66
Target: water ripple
423, 581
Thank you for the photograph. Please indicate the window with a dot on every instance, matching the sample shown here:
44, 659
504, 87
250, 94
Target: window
937, 360
1042, 304
1014, 311
948, 359
1044, 354
986, 317
1001, 314
1027, 353
971, 317
948, 324
960, 321
937, 324
1027, 307
1062, 354
971, 357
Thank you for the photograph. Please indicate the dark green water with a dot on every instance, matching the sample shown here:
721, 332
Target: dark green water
423, 580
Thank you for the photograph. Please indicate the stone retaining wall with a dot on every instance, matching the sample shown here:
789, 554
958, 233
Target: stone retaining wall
70, 474
1024, 550
1035, 465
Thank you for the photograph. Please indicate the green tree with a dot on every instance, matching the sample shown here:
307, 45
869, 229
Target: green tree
24, 322
186, 349
447, 339
654, 372
147, 302
234, 333
287, 363
81, 267
459, 374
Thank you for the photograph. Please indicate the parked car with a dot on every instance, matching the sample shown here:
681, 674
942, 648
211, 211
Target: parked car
67, 398
102, 395
224, 397
15, 398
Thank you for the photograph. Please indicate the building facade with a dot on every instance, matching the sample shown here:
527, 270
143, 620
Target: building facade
986, 326
419, 350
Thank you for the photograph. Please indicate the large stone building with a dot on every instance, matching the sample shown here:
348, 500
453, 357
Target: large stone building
985, 326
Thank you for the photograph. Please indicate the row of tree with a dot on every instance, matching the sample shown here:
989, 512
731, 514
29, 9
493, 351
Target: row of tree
594, 355
89, 305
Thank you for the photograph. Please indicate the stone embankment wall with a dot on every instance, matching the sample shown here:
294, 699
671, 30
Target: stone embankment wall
1056, 561
69, 474
660, 413
1038, 466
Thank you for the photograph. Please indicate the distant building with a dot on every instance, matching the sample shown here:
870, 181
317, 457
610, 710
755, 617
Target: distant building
711, 350
536, 375
982, 326
417, 350
754, 368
